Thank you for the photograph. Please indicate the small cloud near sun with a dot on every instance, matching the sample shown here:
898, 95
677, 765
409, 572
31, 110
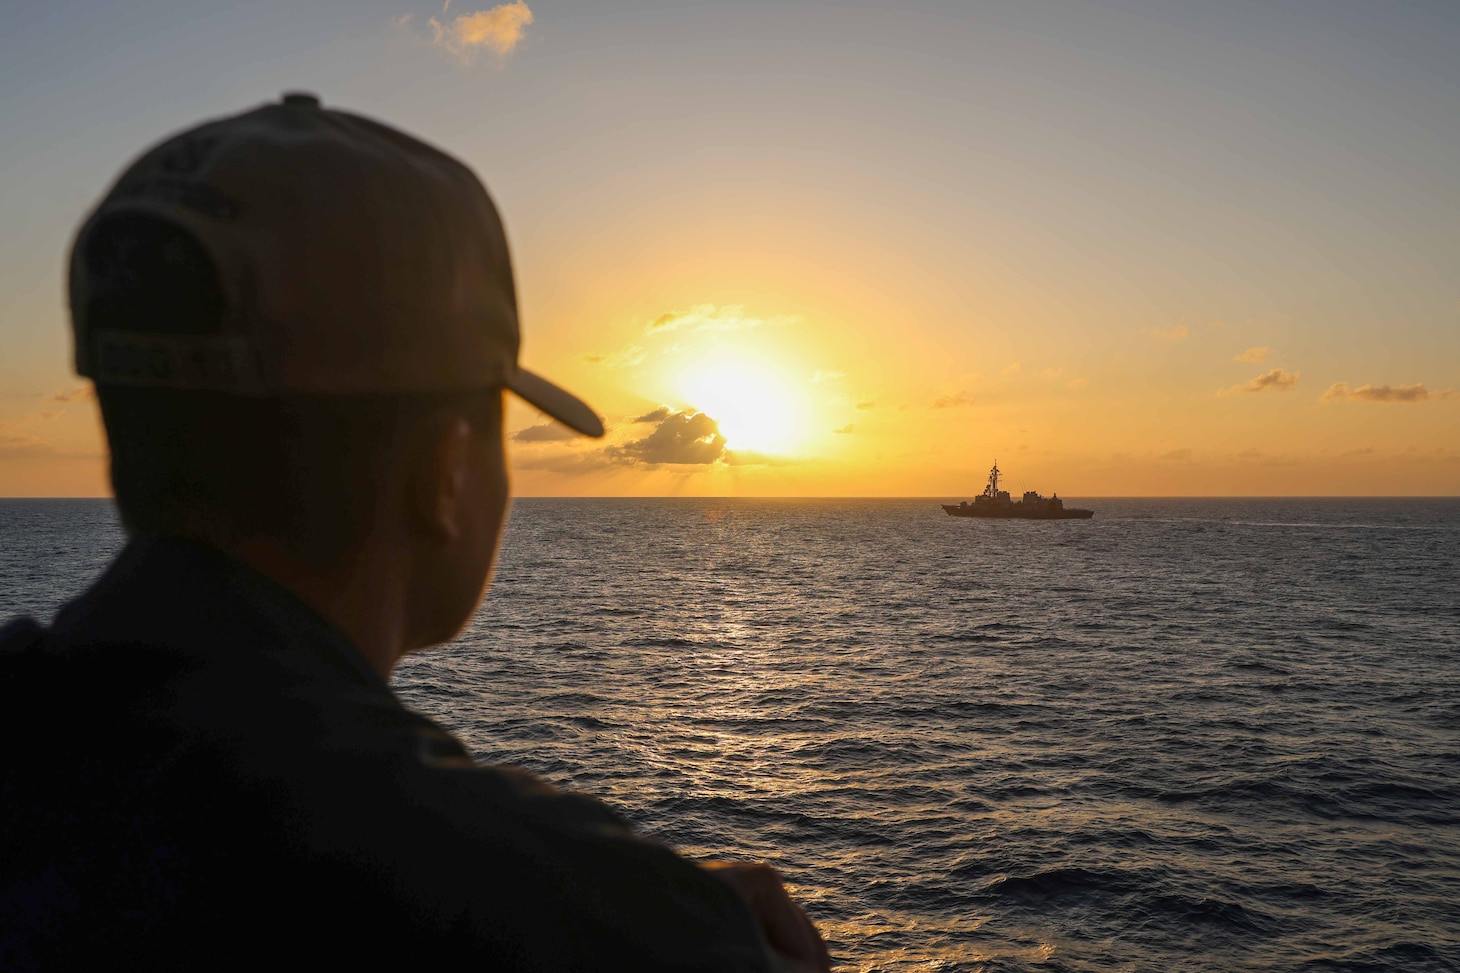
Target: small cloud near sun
499, 29
846, 430
546, 432
865, 406
957, 399
623, 358
1257, 354
1276, 380
1340, 391
709, 317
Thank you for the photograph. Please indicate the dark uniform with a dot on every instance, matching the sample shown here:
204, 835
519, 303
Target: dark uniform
199, 771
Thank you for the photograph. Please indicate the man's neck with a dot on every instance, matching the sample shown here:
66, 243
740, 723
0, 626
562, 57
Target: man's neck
362, 595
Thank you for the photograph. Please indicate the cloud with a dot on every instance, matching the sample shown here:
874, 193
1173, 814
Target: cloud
708, 317
1013, 368
1177, 455
1383, 393
1275, 460
1077, 383
864, 406
499, 29
1257, 354
679, 438
1175, 334
960, 398
546, 432
623, 358
846, 430
81, 393
1276, 380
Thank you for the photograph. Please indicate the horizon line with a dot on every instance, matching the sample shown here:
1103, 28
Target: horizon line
919, 497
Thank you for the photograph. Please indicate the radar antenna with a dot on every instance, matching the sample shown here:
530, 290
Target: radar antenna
992, 490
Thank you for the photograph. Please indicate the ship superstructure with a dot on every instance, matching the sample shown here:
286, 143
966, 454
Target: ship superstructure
994, 502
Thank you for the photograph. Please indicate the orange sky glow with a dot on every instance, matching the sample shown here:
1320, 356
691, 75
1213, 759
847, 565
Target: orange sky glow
866, 255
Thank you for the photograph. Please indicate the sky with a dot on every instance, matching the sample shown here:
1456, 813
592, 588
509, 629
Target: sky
1124, 248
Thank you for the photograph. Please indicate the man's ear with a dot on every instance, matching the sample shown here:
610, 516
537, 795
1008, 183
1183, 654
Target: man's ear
443, 477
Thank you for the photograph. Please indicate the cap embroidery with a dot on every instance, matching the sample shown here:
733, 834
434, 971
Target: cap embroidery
132, 358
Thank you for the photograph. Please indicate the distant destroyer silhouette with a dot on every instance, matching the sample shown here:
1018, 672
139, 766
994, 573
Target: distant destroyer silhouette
994, 502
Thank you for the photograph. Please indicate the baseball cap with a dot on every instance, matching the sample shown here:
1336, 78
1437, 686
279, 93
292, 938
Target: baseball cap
353, 259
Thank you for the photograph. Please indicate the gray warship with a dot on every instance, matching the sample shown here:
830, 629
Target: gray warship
997, 503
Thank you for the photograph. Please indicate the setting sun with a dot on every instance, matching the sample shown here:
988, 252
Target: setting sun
756, 407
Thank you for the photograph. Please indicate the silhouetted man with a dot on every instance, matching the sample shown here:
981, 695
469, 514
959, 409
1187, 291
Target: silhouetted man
300, 324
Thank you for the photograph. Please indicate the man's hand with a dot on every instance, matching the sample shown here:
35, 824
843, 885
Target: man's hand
784, 923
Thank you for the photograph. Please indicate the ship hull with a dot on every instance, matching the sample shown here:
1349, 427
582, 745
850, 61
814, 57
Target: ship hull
1072, 513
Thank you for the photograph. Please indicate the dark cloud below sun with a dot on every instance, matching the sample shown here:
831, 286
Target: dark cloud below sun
679, 438
545, 432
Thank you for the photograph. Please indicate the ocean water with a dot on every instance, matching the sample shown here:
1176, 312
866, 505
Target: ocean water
1184, 735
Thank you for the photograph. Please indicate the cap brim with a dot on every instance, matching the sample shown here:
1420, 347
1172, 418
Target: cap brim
559, 403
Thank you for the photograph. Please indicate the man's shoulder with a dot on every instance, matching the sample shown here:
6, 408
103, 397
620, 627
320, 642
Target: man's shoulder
20, 634
499, 858
242, 773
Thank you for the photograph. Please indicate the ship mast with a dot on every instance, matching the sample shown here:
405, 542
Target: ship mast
992, 490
